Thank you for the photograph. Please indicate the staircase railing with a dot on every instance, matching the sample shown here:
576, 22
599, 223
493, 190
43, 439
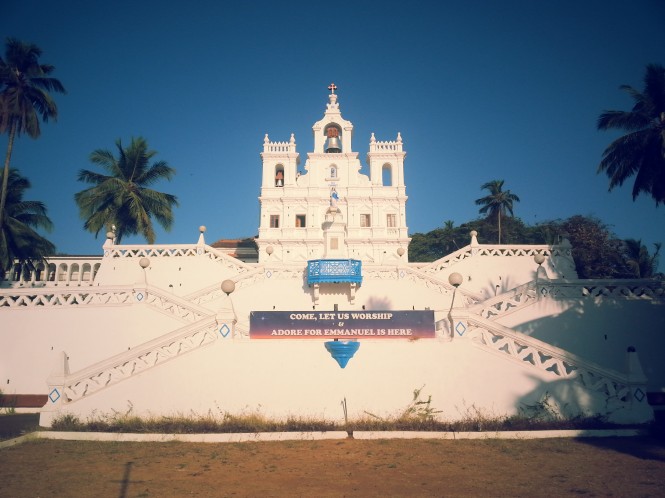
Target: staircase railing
616, 288
34, 298
418, 276
488, 250
176, 250
129, 363
531, 352
175, 306
507, 302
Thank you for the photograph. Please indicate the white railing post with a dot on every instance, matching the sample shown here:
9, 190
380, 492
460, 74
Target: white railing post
56, 388
474, 242
200, 244
638, 409
226, 315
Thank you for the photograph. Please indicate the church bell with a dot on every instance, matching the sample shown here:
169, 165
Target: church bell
333, 145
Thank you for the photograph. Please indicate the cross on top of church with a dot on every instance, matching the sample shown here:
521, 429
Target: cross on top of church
332, 87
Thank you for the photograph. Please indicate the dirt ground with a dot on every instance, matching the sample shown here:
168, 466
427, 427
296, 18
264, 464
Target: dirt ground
628, 466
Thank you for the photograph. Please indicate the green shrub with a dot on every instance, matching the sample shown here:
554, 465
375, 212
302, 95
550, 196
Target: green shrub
419, 415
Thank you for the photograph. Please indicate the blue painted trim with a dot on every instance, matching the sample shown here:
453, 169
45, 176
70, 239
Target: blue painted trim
334, 271
342, 351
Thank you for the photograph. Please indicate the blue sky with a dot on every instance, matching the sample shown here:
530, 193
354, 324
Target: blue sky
479, 90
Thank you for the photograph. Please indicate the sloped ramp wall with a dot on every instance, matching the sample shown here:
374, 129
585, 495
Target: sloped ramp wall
281, 378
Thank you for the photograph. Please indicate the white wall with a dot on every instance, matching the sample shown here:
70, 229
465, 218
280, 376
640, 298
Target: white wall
32, 339
294, 377
300, 378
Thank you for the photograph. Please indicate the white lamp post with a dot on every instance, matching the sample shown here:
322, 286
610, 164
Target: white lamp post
539, 259
455, 279
144, 263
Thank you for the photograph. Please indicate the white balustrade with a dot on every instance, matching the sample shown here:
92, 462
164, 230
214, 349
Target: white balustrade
279, 147
529, 351
134, 361
615, 288
507, 302
55, 271
30, 298
387, 146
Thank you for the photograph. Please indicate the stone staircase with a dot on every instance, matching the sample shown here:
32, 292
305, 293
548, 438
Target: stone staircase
476, 322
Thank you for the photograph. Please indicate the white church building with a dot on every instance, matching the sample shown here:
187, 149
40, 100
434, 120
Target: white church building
327, 307
332, 210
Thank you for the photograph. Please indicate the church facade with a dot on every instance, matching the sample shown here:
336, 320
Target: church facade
368, 221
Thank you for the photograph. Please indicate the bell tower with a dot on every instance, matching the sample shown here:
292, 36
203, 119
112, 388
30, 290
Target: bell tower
329, 209
332, 134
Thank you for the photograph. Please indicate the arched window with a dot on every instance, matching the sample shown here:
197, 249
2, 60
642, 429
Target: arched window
279, 175
39, 272
26, 273
74, 273
16, 274
95, 270
387, 175
62, 273
85, 277
333, 172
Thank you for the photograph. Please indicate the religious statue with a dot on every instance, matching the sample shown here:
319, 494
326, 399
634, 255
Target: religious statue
334, 197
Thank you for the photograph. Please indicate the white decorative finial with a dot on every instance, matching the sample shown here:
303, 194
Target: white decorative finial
265, 139
293, 139
372, 139
399, 137
474, 237
332, 87
202, 240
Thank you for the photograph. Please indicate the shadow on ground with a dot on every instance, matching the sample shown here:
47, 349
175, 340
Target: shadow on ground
650, 447
17, 424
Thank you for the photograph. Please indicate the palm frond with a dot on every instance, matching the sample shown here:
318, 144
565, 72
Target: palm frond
18, 238
123, 198
640, 154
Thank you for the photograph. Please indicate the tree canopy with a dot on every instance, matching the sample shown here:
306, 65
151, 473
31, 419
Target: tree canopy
121, 199
640, 153
597, 252
498, 203
19, 240
24, 98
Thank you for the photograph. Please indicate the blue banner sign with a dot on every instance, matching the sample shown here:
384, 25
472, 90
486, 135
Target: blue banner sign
388, 324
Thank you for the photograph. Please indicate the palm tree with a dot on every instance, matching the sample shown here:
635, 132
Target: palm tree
641, 152
640, 263
448, 236
122, 198
24, 97
497, 203
18, 239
